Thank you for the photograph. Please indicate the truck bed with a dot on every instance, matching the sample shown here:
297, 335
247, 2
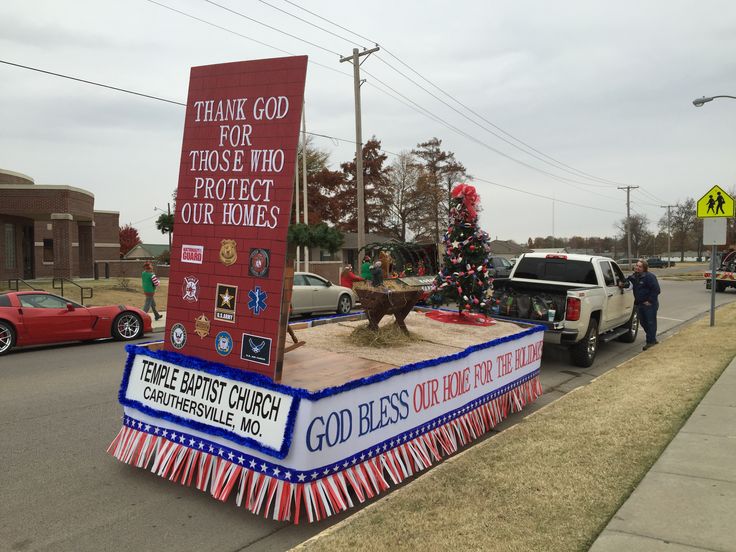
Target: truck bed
531, 301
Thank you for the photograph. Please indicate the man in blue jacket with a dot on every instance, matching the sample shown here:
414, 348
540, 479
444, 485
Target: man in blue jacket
646, 293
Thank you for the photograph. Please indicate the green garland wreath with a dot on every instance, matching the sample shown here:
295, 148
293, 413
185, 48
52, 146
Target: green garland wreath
319, 235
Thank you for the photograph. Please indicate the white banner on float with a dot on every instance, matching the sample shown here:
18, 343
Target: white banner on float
336, 426
341, 425
220, 403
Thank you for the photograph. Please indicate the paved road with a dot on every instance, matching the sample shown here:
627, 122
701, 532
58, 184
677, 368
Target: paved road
61, 491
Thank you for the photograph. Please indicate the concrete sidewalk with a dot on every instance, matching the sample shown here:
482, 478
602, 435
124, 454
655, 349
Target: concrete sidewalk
687, 501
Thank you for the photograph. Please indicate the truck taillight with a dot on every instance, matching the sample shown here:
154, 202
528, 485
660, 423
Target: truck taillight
572, 309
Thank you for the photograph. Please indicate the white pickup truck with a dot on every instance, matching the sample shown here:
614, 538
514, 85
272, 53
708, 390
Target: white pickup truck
576, 297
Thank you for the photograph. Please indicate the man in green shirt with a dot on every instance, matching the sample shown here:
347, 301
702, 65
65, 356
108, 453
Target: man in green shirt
365, 268
149, 282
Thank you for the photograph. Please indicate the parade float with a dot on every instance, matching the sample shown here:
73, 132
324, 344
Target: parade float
225, 404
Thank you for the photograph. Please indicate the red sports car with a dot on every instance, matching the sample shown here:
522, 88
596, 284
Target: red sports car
39, 317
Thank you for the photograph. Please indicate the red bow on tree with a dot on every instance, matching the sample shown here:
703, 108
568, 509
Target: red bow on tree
469, 196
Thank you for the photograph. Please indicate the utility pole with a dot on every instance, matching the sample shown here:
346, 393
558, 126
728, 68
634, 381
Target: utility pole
355, 60
628, 220
296, 218
168, 211
669, 233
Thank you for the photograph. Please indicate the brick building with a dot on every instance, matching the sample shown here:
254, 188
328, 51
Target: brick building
52, 230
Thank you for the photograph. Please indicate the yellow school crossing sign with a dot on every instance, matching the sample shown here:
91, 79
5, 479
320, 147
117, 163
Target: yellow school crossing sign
715, 203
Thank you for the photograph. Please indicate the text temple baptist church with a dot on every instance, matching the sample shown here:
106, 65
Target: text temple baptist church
52, 231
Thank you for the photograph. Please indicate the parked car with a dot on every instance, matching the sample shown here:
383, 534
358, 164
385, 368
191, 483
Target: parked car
653, 262
626, 263
657, 262
499, 267
313, 293
39, 317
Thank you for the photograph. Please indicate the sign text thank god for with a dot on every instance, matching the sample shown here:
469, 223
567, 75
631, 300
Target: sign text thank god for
233, 204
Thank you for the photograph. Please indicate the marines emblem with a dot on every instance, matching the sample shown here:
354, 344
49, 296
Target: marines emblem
259, 262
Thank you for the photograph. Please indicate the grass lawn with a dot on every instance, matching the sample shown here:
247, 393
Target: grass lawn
115, 291
553, 481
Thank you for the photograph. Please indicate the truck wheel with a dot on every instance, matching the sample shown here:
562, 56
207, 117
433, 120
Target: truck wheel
583, 352
632, 328
720, 286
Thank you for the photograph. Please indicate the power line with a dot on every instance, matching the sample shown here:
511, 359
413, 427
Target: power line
309, 23
118, 89
652, 196
328, 21
559, 164
544, 196
271, 27
422, 111
436, 118
475, 122
149, 96
554, 162
216, 26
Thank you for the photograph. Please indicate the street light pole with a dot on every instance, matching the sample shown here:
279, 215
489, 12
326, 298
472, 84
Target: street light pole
699, 102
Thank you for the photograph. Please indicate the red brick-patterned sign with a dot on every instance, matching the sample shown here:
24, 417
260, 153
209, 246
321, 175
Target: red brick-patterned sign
232, 211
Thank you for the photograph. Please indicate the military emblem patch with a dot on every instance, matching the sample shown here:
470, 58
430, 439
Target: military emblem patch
259, 261
226, 300
178, 336
223, 343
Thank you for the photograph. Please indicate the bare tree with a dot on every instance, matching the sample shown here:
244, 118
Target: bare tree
638, 228
684, 225
406, 201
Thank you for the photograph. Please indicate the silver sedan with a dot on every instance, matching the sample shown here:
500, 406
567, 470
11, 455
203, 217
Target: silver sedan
313, 293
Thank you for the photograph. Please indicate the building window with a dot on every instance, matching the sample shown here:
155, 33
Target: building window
48, 251
325, 255
10, 259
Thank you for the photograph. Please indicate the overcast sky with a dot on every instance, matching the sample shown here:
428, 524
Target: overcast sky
604, 87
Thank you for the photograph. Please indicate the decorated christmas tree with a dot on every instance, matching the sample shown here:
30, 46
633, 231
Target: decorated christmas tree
464, 278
